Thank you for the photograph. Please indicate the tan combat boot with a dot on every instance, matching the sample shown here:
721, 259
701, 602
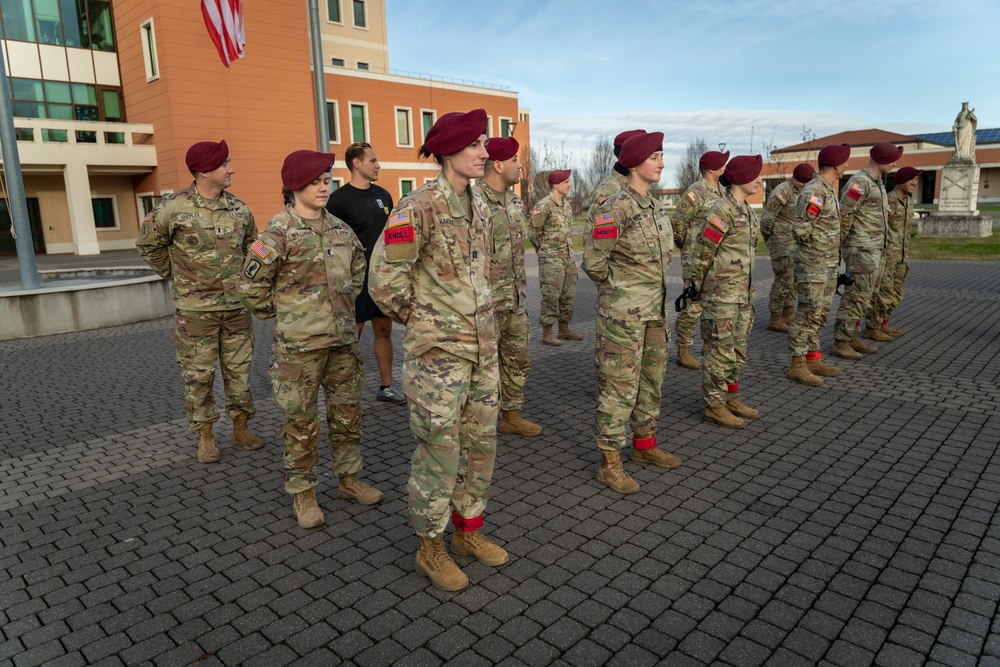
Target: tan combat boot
474, 543
858, 346
207, 451
786, 313
817, 367
723, 417
353, 488
741, 409
872, 333
886, 329
844, 350
566, 334
434, 562
548, 338
306, 510
613, 474
777, 322
685, 359
511, 421
243, 436
644, 451
799, 372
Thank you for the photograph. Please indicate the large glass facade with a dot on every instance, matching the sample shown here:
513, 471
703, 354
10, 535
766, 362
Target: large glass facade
78, 23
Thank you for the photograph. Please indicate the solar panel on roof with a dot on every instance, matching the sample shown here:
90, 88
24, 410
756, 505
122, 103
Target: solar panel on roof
989, 135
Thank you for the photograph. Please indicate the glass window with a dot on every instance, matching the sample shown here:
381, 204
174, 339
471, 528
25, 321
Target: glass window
84, 93
403, 127
28, 89
18, 22
104, 213
331, 121
70, 22
335, 184
57, 91
362, 65
29, 109
24, 134
111, 101
102, 34
359, 14
149, 50
61, 111
47, 21
358, 123
504, 127
427, 121
337, 62
54, 136
333, 11
149, 204
405, 186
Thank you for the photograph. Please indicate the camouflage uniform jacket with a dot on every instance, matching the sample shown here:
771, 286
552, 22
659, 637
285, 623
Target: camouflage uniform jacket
777, 218
507, 276
722, 261
626, 252
817, 225
551, 229
306, 274
691, 211
863, 217
613, 184
430, 272
200, 245
900, 208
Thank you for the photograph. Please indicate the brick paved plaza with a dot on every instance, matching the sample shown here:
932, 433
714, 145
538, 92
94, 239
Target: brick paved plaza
852, 524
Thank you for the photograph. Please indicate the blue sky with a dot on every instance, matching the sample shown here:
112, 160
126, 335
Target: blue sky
713, 69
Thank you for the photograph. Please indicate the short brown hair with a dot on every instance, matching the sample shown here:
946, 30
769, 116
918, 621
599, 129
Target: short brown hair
355, 151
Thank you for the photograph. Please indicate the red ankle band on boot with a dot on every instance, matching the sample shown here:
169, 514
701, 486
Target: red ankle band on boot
885, 321
466, 525
732, 388
810, 356
644, 443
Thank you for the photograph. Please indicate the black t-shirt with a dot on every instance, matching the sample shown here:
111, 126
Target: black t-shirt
365, 211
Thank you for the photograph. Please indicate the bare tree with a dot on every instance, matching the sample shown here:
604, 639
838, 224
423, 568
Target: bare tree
602, 160
688, 170
540, 164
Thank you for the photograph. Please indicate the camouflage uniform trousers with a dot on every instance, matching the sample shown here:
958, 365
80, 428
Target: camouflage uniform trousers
512, 339
724, 328
453, 417
815, 286
207, 338
783, 287
866, 265
629, 379
295, 381
557, 279
890, 292
687, 320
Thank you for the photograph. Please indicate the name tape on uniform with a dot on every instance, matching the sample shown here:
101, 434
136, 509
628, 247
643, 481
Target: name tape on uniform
399, 234
606, 232
713, 235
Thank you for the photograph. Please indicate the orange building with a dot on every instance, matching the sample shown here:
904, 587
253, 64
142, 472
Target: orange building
108, 99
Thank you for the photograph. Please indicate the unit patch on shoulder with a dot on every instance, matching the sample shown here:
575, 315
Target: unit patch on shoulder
605, 219
719, 223
251, 269
780, 196
399, 219
260, 249
856, 191
712, 235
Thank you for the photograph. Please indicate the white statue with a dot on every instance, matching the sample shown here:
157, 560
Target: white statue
965, 133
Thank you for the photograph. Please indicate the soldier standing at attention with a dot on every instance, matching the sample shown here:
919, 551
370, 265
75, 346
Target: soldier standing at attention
305, 271
722, 274
864, 222
198, 237
619, 175
430, 273
508, 280
551, 233
626, 252
365, 207
890, 293
776, 228
695, 201
817, 232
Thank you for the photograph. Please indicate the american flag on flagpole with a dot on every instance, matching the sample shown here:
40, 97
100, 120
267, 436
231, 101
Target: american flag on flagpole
224, 20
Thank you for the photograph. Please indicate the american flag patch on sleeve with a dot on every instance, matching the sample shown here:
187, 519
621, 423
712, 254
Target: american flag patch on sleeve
260, 249
399, 219
605, 219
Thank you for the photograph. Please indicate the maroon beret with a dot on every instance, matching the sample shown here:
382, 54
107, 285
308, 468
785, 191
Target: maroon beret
625, 136
206, 155
557, 176
744, 169
803, 173
713, 160
885, 153
835, 155
454, 131
907, 174
637, 149
303, 167
501, 149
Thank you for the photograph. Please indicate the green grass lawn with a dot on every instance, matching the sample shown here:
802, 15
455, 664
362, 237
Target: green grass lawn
924, 247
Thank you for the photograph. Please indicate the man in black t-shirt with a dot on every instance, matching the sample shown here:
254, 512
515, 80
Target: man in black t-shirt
365, 207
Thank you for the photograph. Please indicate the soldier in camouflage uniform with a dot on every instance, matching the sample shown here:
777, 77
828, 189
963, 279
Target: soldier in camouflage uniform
776, 228
618, 177
430, 273
722, 275
864, 223
508, 280
305, 271
626, 252
890, 293
817, 232
691, 208
551, 233
198, 237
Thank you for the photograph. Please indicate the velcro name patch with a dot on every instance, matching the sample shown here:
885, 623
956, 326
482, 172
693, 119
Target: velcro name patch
813, 210
718, 223
712, 235
606, 232
261, 249
856, 191
399, 234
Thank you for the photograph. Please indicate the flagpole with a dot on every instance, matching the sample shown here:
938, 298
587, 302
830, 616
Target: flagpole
319, 81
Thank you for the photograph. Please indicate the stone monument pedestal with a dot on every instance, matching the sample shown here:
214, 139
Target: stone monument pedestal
957, 214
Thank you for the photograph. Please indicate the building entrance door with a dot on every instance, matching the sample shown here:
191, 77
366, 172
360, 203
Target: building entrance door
7, 242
